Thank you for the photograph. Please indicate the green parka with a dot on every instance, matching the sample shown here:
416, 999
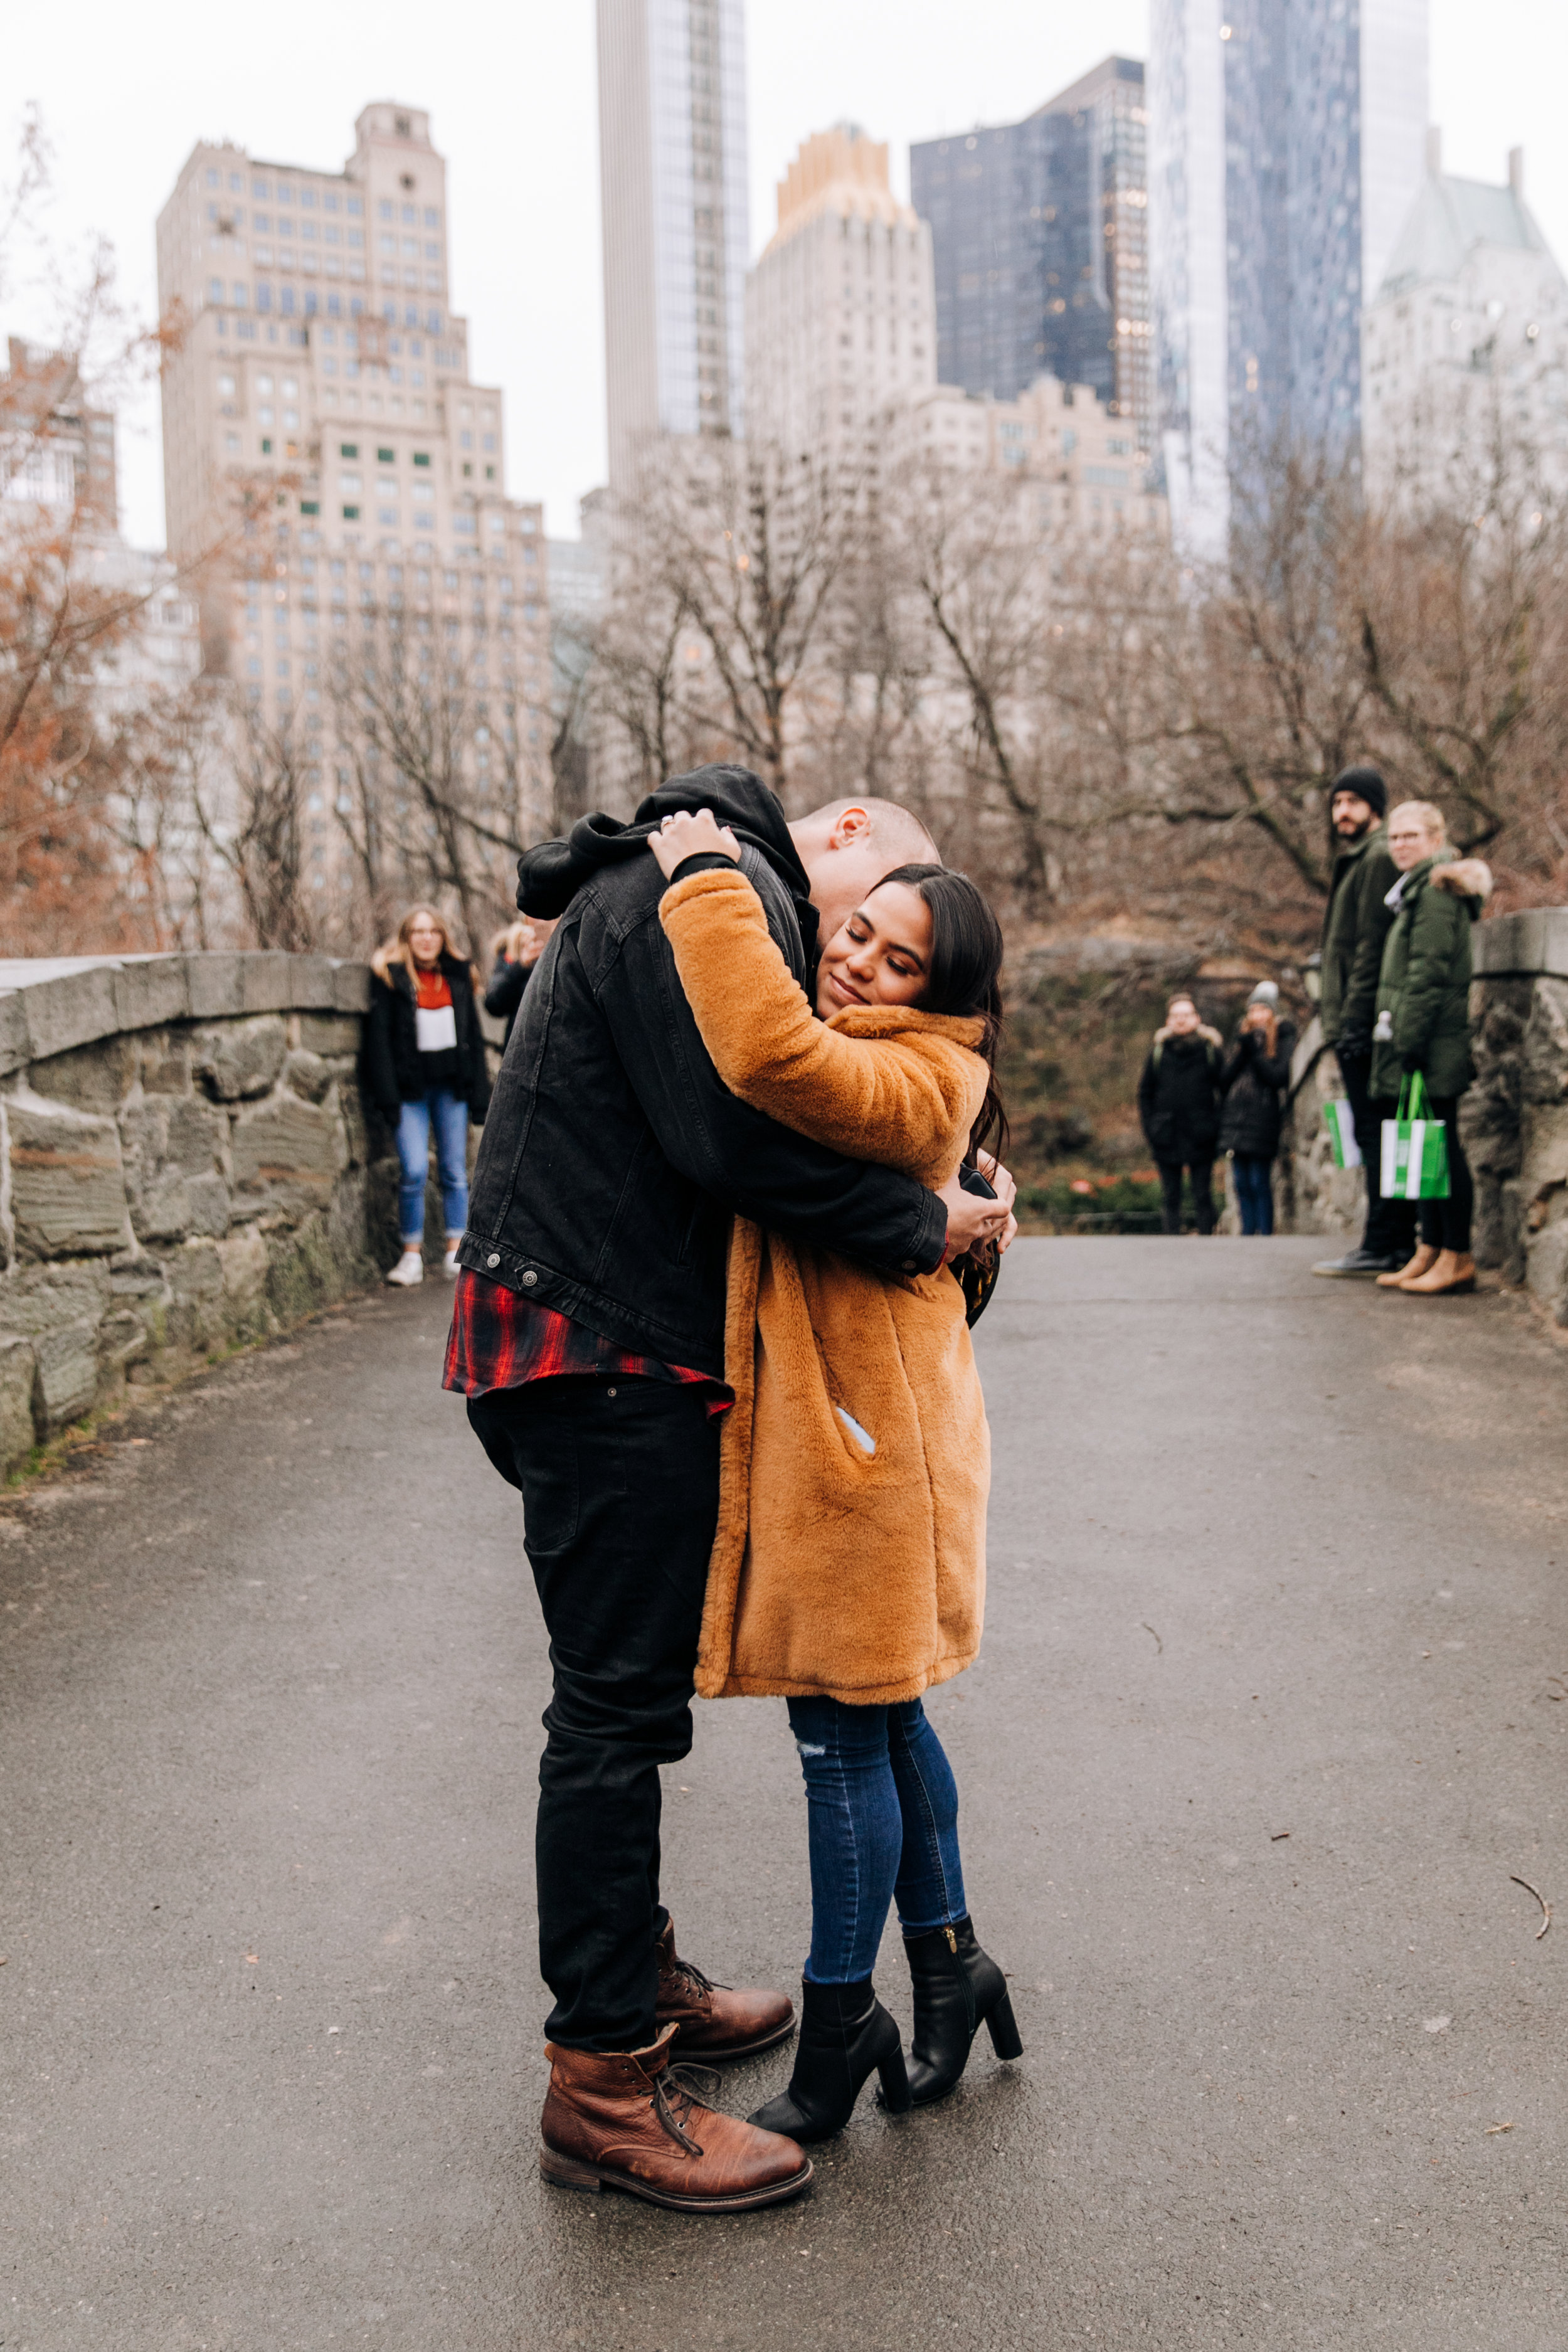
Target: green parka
1356, 922
1424, 986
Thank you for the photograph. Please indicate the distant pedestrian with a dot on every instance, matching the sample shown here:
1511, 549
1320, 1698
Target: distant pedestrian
1424, 1024
1356, 922
514, 952
1253, 1081
1178, 1104
424, 1066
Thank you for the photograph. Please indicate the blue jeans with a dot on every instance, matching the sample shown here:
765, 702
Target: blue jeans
881, 1821
451, 1117
1253, 1193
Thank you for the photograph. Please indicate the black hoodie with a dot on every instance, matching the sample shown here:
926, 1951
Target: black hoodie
550, 876
613, 1155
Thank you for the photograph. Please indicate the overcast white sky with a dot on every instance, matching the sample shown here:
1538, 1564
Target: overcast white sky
126, 92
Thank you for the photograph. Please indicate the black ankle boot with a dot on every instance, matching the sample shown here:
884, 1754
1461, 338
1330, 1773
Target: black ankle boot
958, 1988
845, 2033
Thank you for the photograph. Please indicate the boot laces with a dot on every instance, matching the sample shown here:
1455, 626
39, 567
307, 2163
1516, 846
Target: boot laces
677, 2094
691, 1979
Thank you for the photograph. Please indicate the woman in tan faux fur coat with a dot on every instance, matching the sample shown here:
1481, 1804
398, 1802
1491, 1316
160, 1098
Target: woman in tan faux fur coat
848, 1567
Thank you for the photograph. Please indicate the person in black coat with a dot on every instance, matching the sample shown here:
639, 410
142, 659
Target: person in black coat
1178, 1104
513, 955
425, 1067
1253, 1081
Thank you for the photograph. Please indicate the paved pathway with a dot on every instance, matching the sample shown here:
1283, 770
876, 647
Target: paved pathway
1264, 1724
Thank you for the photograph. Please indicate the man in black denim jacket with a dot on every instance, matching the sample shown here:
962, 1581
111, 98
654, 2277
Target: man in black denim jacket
612, 1161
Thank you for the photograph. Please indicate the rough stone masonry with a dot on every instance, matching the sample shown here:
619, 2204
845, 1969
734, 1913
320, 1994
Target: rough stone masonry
185, 1162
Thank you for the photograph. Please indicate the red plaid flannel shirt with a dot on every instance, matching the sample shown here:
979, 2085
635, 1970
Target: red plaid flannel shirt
501, 1340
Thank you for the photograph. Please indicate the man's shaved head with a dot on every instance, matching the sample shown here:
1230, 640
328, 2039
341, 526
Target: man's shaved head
847, 845
893, 828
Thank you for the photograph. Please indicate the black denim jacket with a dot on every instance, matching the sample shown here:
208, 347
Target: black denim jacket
613, 1156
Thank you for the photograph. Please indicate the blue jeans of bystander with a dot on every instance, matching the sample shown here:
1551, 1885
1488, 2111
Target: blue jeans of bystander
1254, 1191
451, 1121
881, 1821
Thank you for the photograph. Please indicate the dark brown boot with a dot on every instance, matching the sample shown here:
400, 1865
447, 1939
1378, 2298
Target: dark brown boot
630, 2120
716, 2023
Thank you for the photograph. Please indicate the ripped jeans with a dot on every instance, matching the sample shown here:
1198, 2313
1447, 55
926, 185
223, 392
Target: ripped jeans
881, 1821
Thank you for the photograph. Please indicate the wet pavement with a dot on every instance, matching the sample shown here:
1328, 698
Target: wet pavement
1268, 1724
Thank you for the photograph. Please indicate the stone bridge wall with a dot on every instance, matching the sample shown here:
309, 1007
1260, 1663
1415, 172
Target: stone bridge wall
1514, 1119
184, 1163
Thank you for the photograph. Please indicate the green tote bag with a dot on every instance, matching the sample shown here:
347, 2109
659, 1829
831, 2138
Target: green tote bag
1414, 1165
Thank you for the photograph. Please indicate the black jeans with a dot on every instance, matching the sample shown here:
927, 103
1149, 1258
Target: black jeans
1445, 1224
1390, 1224
1170, 1193
619, 1481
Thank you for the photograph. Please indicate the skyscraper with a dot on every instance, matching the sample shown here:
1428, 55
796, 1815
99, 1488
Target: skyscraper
672, 163
1287, 146
320, 425
1465, 345
840, 316
1039, 235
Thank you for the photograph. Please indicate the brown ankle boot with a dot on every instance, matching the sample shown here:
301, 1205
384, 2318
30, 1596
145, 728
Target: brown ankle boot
630, 2120
716, 2023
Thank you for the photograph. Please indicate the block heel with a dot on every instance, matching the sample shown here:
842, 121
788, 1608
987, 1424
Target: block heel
894, 2077
1005, 2039
566, 2173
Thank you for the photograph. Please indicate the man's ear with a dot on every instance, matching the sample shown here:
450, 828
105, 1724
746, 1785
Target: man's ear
851, 825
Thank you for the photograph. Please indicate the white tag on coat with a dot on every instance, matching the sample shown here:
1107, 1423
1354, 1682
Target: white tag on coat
863, 1437
438, 1031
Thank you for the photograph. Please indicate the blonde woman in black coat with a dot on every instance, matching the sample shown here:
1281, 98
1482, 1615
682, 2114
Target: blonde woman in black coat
425, 1067
1178, 1104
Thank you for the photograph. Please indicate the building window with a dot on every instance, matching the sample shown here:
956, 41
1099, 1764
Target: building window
347, 449
386, 211
266, 446
309, 506
351, 514
354, 207
422, 457
214, 289
387, 517
386, 456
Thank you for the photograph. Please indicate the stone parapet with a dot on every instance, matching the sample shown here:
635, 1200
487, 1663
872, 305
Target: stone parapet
185, 1164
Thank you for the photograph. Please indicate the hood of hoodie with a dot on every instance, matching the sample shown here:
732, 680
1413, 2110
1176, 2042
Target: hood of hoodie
1465, 877
550, 876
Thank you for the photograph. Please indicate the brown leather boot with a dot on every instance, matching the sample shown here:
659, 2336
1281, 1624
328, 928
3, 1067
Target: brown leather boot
716, 2021
630, 2120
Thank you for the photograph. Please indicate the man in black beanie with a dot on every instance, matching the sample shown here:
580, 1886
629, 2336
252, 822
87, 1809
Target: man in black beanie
1355, 924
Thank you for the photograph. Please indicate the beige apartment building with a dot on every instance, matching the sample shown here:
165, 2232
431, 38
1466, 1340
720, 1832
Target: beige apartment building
1081, 465
1465, 341
321, 432
841, 308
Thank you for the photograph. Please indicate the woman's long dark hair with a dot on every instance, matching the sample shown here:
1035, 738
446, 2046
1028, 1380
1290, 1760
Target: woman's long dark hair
965, 977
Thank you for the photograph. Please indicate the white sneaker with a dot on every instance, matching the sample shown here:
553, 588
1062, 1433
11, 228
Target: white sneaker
449, 1265
409, 1269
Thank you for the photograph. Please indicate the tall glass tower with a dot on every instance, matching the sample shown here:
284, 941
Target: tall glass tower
1287, 146
1037, 236
672, 168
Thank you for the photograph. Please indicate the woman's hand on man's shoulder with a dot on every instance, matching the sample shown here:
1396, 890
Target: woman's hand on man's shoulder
691, 833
